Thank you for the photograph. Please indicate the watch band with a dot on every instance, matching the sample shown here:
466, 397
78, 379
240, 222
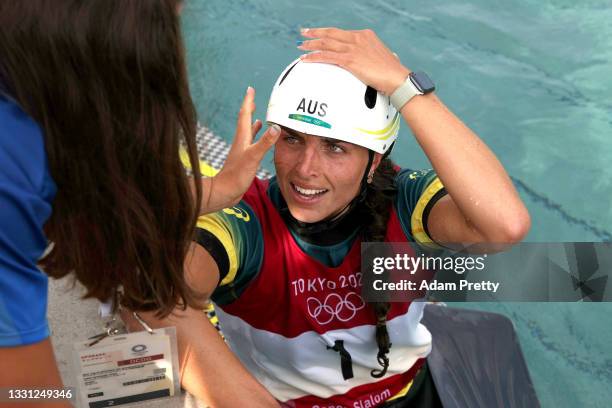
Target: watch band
405, 92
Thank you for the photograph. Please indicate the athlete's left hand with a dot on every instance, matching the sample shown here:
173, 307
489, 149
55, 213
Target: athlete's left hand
360, 52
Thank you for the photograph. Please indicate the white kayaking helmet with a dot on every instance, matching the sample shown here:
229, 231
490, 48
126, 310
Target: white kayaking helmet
328, 101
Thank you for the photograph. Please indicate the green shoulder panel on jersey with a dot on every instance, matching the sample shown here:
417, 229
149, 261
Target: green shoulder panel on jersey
239, 232
418, 191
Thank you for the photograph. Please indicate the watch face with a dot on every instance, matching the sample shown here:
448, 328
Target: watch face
422, 82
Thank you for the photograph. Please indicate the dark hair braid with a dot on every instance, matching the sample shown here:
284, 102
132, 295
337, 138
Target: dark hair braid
376, 210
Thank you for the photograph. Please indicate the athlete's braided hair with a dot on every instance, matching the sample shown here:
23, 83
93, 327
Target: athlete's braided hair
376, 209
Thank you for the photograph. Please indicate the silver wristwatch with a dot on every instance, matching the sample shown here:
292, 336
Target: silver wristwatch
417, 83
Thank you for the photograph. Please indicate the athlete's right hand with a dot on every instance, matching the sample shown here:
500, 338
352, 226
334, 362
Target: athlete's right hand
228, 186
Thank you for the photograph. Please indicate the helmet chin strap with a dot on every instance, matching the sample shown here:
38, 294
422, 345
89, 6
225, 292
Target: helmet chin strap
333, 220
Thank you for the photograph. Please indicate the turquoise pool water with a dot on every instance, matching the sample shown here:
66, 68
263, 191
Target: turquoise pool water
533, 78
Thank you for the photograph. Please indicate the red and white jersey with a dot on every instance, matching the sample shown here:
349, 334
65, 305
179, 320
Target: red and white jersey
283, 325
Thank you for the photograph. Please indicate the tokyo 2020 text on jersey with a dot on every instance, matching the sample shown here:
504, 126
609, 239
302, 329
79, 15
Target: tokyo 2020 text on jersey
283, 304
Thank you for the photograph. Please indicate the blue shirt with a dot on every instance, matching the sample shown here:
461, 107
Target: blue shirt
26, 195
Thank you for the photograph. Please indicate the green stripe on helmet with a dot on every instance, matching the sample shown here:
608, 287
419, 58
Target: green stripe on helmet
309, 119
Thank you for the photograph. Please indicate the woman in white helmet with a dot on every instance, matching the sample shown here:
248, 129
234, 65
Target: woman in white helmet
282, 265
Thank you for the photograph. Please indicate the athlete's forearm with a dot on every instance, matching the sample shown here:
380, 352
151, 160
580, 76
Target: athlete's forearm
472, 175
478, 184
211, 372
209, 369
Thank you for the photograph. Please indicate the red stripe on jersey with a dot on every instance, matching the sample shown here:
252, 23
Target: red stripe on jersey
295, 293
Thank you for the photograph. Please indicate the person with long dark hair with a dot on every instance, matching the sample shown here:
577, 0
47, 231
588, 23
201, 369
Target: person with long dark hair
283, 266
94, 111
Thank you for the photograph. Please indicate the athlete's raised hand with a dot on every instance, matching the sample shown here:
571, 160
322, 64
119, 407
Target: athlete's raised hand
360, 52
228, 186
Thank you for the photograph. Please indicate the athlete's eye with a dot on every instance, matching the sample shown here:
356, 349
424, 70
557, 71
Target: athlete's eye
291, 139
335, 148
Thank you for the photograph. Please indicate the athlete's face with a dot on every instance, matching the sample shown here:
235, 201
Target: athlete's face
317, 176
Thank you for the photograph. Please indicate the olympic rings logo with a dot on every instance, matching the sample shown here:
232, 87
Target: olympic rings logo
335, 306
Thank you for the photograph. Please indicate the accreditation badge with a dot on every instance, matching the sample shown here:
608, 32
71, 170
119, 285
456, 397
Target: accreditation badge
127, 368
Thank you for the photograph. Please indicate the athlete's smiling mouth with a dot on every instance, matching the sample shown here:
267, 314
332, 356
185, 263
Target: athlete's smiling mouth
308, 192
